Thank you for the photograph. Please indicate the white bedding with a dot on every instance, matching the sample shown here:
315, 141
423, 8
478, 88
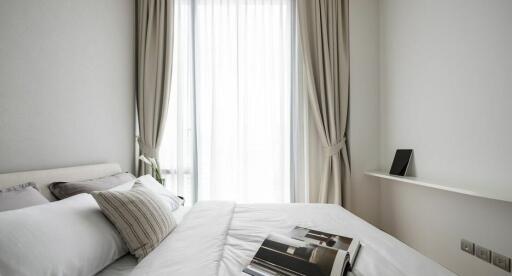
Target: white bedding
65, 237
125, 265
220, 238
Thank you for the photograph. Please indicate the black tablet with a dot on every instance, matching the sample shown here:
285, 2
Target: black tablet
401, 162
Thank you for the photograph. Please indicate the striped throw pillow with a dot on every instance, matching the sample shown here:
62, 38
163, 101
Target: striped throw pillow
140, 216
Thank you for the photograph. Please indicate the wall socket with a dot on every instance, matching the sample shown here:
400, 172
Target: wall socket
467, 246
501, 261
485, 254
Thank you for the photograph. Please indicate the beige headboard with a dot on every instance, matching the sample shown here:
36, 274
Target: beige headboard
44, 177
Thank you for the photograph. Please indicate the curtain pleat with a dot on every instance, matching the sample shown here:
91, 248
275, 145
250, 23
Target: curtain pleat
323, 26
154, 59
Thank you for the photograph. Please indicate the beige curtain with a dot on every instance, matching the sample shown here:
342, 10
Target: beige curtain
154, 58
323, 31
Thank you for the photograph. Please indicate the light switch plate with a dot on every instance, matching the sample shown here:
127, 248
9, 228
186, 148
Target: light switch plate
483, 253
501, 261
467, 246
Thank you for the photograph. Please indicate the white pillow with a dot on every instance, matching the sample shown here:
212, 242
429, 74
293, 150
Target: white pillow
66, 237
148, 181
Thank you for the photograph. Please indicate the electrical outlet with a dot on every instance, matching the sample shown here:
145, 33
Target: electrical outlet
483, 253
501, 261
467, 246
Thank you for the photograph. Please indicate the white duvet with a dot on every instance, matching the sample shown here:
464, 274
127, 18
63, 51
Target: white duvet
220, 238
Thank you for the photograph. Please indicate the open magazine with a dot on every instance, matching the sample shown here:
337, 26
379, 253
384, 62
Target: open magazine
304, 252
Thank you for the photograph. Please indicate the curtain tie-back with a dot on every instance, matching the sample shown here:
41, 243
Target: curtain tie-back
146, 149
334, 149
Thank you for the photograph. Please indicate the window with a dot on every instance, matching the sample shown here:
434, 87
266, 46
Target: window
228, 131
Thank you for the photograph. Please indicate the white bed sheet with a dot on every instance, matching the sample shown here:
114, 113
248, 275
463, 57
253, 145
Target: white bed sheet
125, 265
220, 238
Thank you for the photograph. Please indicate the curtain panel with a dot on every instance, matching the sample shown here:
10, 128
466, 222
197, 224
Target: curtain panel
154, 58
323, 37
230, 124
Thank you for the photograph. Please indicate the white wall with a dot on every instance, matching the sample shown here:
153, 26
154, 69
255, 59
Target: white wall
446, 79
363, 127
67, 85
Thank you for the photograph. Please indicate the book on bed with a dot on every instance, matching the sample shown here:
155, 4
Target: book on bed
304, 252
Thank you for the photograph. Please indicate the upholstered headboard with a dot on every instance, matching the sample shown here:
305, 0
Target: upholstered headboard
44, 177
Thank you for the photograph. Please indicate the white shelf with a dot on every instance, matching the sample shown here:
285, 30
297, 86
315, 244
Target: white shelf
503, 193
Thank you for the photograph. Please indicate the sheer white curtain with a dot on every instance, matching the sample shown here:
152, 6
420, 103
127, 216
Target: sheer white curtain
177, 151
233, 100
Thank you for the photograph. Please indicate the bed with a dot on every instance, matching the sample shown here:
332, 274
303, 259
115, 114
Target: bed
220, 238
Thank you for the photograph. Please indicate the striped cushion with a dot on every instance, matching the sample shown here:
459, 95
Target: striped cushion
141, 217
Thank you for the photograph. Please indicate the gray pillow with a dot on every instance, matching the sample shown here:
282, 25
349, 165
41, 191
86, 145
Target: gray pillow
140, 216
62, 190
20, 196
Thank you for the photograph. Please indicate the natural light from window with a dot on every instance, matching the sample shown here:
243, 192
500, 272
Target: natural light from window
228, 133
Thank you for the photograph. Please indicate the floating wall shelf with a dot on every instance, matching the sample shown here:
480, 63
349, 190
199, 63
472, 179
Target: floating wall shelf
503, 193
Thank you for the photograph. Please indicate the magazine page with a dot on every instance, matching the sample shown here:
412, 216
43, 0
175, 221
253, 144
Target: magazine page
329, 240
280, 255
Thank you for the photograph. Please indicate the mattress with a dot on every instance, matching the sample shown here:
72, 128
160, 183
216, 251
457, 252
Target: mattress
220, 238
